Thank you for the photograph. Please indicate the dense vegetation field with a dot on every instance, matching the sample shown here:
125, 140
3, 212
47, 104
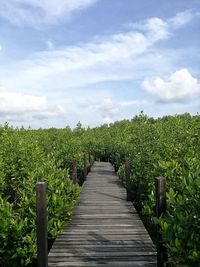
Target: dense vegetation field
25, 158
169, 147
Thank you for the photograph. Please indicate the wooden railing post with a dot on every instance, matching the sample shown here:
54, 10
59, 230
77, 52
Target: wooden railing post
161, 207
89, 156
42, 244
138, 190
85, 166
115, 161
128, 184
74, 172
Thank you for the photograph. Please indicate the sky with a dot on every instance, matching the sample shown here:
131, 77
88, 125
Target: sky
97, 61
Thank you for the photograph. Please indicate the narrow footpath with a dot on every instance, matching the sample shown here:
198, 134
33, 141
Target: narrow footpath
105, 229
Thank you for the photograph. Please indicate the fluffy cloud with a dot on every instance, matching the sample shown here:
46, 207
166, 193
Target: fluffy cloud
182, 18
181, 86
156, 28
132, 103
160, 29
76, 66
17, 106
127, 55
109, 110
34, 12
115, 57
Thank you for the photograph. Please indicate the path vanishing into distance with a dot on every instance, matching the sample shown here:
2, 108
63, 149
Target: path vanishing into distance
105, 229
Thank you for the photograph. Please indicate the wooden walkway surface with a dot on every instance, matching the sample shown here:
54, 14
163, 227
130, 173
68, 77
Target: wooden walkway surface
105, 229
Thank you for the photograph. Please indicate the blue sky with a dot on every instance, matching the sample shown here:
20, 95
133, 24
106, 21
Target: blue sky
97, 61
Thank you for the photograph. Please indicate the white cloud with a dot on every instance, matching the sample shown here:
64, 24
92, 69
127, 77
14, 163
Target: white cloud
0, 47
18, 106
182, 18
110, 58
180, 86
74, 66
108, 109
127, 55
162, 27
132, 103
157, 28
34, 12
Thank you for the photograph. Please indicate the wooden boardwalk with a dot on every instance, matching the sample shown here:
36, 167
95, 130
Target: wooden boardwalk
105, 229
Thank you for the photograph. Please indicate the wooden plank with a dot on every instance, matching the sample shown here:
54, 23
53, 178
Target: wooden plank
102, 258
41, 221
103, 247
102, 254
67, 244
108, 264
105, 230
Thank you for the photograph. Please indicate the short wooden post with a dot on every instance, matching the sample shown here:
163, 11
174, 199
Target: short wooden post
115, 161
94, 155
89, 161
109, 157
128, 184
85, 166
89, 156
161, 206
138, 192
112, 158
42, 244
74, 172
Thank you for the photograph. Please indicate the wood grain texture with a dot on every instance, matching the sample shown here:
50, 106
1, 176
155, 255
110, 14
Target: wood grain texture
105, 229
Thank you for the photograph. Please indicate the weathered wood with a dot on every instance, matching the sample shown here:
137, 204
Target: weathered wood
128, 184
42, 245
161, 206
89, 156
114, 263
105, 230
138, 189
74, 172
107, 264
103, 259
85, 166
